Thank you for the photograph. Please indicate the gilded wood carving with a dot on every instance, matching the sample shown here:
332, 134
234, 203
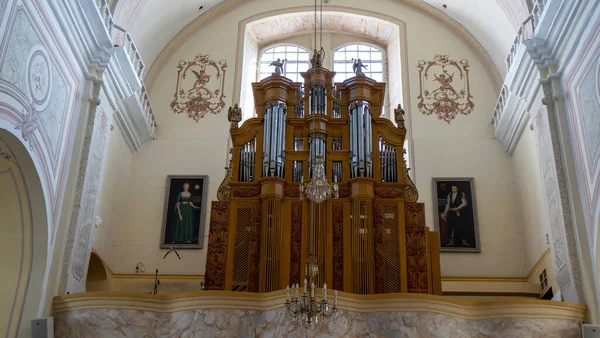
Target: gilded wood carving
254, 248
224, 191
216, 257
295, 247
416, 247
246, 191
444, 87
200, 87
385, 192
338, 246
292, 192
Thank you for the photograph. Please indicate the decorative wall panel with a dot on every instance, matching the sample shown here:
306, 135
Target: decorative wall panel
338, 246
444, 87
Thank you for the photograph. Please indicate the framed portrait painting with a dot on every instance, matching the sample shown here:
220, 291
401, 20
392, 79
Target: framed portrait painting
184, 213
456, 214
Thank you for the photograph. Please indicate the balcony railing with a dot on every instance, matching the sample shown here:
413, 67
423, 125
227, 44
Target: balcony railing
502, 98
122, 38
526, 31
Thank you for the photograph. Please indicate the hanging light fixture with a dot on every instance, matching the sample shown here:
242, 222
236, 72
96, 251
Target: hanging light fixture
305, 307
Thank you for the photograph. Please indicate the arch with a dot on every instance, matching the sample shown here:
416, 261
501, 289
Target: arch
96, 279
34, 247
193, 28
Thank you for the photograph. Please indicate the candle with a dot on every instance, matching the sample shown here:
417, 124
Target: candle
297, 287
305, 284
334, 297
312, 290
325, 288
287, 293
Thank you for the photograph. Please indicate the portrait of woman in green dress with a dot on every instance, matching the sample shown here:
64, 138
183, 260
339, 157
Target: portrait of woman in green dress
185, 201
184, 213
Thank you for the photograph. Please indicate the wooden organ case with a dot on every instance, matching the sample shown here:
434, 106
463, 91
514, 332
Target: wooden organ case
372, 239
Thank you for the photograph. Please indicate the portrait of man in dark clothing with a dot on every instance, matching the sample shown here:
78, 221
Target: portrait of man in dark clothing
455, 202
455, 215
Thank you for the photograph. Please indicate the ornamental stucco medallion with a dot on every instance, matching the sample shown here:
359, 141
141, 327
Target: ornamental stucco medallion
39, 77
444, 87
200, 87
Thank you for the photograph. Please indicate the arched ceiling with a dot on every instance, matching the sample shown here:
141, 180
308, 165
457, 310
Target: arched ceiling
154, 23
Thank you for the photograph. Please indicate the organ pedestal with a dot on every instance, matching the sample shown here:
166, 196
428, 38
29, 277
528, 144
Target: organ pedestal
372, 239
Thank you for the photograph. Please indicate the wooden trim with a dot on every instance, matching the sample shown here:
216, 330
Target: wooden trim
511, 279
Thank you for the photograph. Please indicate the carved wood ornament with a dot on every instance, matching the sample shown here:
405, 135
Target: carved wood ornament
295, 247
202, 94
338, 246
444, 87
216, 257
416, 247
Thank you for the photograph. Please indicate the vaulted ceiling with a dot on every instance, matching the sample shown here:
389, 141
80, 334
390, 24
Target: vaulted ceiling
153, 23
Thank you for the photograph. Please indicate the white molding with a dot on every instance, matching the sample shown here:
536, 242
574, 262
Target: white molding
98, 59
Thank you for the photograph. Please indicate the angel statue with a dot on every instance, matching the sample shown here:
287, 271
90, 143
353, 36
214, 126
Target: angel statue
234, 116
399, 116
317, 58
278, 66
357, 67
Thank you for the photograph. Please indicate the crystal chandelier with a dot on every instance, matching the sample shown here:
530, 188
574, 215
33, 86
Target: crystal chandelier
305, 307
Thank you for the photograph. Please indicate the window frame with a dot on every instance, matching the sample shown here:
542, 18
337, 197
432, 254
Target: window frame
261, 52
384, 60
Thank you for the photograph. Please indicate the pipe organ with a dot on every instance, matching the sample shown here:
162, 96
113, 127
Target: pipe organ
372, 239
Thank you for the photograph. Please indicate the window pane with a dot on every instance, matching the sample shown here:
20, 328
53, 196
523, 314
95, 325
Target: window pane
303, 56
339, 67
297, 61
302, 67
291, 67
365, 56
265, 68
339, 56
376, 56
376, 67
377, 77
267, 57
349, 67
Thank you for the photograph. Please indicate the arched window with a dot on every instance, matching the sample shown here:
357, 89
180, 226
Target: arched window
297, 61
370, 56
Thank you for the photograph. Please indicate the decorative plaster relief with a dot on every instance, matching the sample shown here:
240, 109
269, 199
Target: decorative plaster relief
272, 323
197, 96
438, 94
28, 65
39, 77
273, 28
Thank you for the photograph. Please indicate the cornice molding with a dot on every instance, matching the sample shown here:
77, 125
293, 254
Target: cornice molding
520, 308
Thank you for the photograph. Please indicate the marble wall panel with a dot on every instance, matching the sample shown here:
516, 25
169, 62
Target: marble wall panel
246, 323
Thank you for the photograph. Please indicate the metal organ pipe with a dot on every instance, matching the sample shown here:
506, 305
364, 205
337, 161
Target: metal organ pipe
361, 146
274, 139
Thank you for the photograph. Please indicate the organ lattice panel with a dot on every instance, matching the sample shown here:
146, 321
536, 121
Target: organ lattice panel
372, 239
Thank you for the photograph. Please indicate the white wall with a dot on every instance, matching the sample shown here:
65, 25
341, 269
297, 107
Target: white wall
113, 198
463, 148
532, 212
